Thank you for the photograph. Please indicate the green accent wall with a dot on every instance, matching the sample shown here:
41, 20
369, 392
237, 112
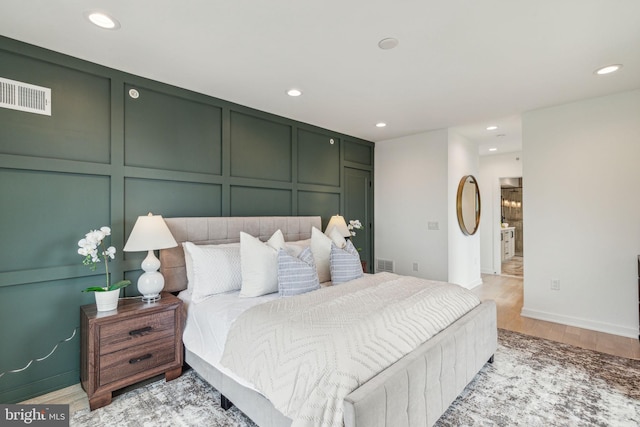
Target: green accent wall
103, 158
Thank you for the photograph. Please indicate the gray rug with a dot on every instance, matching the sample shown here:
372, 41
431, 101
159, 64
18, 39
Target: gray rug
533, 382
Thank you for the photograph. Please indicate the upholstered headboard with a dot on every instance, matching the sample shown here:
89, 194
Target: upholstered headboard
216, 230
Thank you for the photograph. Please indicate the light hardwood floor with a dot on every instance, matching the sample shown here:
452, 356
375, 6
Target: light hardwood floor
506, 291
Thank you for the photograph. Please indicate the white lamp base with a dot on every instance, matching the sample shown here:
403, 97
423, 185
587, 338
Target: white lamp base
151, 282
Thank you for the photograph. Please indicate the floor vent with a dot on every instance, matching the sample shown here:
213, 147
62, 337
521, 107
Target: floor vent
25, 97
384, 265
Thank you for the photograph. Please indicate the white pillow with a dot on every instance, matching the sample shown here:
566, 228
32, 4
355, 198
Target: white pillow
296, 248
259, 264
337, 238
212, 269
321, 249
296, 274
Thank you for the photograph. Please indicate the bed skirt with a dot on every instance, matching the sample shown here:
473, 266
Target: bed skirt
414, 391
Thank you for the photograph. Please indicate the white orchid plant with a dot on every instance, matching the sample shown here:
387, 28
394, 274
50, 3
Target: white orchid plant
354, 224
90, 250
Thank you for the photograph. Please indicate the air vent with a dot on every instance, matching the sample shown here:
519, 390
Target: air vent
384, 265
25, 97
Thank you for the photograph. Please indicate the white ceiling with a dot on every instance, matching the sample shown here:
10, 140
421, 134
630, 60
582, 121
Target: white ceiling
460, 63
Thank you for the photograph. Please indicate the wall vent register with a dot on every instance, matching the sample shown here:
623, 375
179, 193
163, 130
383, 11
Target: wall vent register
385, 265
25, 97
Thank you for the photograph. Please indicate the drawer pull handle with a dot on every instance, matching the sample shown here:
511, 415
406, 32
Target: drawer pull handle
140, 359
141, 331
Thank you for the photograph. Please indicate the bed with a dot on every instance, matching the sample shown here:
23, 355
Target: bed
415, 390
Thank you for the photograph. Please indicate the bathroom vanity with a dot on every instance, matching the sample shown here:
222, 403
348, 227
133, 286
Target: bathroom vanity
508, 242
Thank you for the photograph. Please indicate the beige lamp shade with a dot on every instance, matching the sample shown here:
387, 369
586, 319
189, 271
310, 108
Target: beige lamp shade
338, 222
149, 233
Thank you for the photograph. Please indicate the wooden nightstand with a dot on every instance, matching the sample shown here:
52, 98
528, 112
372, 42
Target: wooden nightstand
135, 342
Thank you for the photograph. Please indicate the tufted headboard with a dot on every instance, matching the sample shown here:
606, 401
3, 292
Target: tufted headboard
216, 230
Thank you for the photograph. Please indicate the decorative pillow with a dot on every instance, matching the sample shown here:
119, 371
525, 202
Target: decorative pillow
259, 264
212, 269
295, 248
321, 249
345, 263
337, 238
296, 275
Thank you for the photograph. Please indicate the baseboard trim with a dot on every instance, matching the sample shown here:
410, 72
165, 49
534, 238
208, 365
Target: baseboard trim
607, 328
472, 284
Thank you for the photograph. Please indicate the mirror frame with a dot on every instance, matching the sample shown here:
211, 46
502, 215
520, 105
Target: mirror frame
459, 210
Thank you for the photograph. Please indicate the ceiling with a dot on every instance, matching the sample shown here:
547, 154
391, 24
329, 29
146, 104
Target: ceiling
459, 63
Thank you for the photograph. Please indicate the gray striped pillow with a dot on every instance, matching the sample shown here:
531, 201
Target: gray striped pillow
296, 275
344, 263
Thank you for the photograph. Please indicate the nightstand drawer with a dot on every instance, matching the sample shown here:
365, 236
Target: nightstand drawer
134, 332
128, 362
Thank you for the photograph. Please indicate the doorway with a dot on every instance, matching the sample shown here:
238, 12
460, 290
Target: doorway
511, 232
358, 205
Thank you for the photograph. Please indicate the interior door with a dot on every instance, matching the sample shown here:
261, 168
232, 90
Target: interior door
358, 205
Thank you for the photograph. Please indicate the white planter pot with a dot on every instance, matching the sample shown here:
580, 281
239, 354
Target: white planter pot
107, 301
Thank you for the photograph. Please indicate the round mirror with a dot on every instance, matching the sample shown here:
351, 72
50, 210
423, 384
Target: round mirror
468, 205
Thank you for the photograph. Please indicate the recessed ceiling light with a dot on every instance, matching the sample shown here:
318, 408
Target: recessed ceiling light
381, 124
102, 20
388, 43
493, 149
608, 69
492, 127
294, 92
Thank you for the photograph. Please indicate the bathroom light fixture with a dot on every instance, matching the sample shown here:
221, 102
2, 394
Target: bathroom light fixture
294, 92
492, 127
381, 124
493, 149
608, 69
102, 20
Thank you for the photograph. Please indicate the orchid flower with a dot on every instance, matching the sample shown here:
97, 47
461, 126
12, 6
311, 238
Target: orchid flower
88, 248
354, 224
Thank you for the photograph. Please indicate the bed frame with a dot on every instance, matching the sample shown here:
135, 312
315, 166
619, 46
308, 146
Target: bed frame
414, 391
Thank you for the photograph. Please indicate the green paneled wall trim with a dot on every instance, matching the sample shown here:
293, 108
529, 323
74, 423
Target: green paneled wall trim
118, 146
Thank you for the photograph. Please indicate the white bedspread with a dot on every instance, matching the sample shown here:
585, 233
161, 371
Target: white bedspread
306, 353
208, 323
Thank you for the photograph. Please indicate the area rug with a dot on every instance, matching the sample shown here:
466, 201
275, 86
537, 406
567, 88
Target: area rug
533, 382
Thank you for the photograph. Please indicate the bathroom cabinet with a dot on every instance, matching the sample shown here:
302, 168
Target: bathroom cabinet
508, 242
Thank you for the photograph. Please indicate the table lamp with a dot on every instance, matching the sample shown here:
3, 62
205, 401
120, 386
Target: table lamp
149, 233
338, 222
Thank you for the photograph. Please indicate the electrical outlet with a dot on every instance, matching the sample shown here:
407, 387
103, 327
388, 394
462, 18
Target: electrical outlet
433, 225
555, 284
415, 266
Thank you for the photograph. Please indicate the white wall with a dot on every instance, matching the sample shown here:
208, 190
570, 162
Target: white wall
492, 168
464, 251
581, 205
416, 183
411, 190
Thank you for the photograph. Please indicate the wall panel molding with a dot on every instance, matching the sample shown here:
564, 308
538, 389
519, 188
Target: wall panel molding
102, 159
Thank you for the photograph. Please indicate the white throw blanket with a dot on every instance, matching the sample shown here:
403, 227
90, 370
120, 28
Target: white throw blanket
306, 353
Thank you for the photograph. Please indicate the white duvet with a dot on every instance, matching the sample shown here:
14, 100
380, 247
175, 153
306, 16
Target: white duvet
306, 353
208, 323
